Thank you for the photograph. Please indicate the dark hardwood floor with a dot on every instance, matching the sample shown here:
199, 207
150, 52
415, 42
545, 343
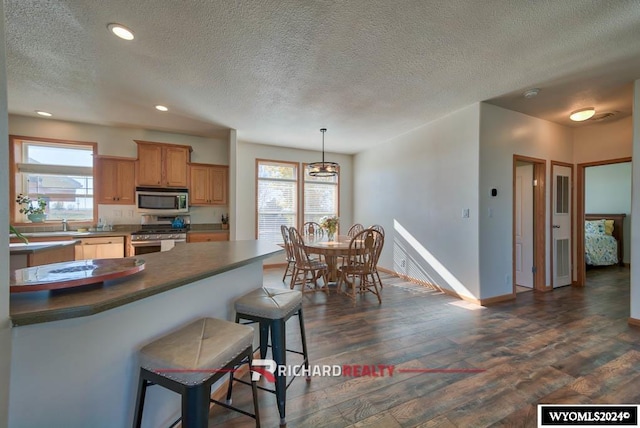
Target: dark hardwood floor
571, 345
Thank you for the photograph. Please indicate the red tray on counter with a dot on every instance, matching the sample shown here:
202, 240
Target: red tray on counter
60, 276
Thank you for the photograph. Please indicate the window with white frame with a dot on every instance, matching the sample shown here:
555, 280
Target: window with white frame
276, 198
321, 195
61, 173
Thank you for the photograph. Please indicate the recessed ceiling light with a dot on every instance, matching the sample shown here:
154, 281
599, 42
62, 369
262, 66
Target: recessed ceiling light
161, 108
531, 93
121, 31
43, 113
582, 114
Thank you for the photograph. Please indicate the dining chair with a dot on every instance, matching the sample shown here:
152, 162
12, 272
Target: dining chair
291, 261
355, 229
381, 230
311, 228
358, 273
306, 271
378, 228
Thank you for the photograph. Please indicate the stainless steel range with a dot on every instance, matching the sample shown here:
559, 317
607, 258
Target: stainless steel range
159, 233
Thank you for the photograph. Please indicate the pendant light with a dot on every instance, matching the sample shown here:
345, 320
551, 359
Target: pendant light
323, 169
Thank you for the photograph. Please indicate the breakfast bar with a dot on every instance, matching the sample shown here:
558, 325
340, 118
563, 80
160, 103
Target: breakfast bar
74, 352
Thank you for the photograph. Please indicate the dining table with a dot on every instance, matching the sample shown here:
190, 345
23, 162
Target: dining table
330, 250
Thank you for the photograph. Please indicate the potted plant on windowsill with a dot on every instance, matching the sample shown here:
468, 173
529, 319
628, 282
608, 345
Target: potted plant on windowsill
35, 212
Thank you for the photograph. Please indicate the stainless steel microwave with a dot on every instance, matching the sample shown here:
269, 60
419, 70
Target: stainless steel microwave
162, 201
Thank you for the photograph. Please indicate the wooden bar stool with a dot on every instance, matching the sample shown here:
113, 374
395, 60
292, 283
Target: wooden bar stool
189, 360
271, 308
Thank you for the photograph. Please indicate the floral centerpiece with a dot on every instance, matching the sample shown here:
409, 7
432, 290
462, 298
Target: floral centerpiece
35, 212
330, 224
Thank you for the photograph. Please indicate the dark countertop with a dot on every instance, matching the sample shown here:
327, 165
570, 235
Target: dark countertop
22, 248
163, 271
71, 234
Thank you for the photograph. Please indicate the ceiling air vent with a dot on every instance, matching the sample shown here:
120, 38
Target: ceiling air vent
603, 116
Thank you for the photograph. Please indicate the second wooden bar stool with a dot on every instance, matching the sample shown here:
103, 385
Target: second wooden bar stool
271, 308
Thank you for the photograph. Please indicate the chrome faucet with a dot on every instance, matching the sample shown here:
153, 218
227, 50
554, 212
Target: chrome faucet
64, 224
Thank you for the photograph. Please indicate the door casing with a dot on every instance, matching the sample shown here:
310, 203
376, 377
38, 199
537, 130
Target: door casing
539, 222
580, 183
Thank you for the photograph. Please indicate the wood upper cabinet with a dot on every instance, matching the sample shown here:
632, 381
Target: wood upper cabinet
115, 180
162, 165
149, 166
208, 184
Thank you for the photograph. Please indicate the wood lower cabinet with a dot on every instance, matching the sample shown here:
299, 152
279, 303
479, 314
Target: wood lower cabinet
162, 165
100, 248
115, 180
208, 184
207, 236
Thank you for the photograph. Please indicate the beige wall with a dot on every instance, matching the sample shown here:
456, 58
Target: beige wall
385, 173
416, 186
603, 141
504, 133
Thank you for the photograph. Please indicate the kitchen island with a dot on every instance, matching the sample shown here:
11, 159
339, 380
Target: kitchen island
74, 354
22, 255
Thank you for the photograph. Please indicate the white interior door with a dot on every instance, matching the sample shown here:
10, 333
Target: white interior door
524, 225
561, 224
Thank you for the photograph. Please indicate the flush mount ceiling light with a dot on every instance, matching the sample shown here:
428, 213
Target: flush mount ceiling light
323, 169
162, 108
43, 113
582, 114
531, 93
121, 31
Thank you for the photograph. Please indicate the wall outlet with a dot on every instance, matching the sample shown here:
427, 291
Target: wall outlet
465, 213
403, 263
130, 213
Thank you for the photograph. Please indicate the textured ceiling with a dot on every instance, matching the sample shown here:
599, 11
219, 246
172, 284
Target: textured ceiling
279, 70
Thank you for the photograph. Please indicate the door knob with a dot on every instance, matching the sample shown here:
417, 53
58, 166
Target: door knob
556, 226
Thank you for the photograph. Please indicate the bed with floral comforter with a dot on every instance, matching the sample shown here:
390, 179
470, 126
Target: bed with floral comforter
600, 248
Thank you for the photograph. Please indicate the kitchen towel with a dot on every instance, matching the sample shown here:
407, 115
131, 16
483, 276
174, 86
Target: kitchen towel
167, 244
